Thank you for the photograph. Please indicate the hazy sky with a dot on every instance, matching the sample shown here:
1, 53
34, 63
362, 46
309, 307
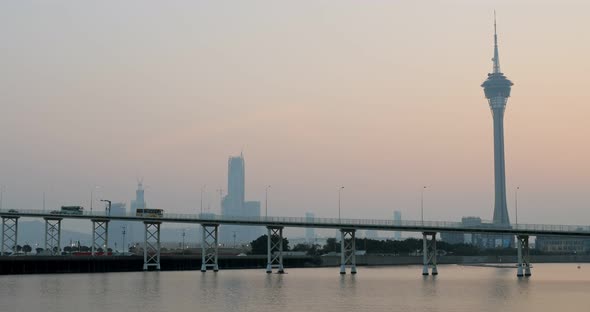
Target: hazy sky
381, 97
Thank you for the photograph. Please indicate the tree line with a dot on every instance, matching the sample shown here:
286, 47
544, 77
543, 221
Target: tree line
409, 246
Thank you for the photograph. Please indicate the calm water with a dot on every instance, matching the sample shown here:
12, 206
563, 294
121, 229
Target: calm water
553, 287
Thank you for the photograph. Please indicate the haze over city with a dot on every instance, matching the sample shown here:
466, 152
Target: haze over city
381, 98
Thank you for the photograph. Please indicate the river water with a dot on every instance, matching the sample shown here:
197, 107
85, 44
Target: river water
553, 287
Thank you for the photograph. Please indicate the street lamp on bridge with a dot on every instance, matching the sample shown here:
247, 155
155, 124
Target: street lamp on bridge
339, 200
266, 201
202, 190
516, 205
422, 204
108, 207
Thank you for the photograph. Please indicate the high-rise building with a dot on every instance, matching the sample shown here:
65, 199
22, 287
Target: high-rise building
134, 230
309, 232
236, 186
234, 204
397, 220
497, 90
117, 227
139, 201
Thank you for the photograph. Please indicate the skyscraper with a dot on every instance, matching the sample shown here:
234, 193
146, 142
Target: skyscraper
497, 90
234, 204
134, 230
139, 201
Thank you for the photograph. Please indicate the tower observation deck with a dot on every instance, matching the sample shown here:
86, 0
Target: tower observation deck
497, 90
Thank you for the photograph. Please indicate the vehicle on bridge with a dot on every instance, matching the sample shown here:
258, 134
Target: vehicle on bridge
74, 210
149, 212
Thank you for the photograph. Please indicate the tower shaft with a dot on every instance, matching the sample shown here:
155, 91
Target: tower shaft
500, 206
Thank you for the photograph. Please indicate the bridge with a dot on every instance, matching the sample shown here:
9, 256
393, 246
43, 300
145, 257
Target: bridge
210, 228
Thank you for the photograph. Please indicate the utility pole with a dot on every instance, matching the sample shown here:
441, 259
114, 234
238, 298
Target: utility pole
183, 235
124, 232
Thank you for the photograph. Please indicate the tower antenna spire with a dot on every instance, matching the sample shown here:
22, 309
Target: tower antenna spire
496, 58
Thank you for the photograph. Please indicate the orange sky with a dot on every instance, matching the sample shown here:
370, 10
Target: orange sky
382, 97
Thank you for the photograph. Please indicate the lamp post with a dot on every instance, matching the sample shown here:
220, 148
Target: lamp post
422, 205
266, 201
339, 201
124, 232
183, 235
202, 190
516, 204
108, 207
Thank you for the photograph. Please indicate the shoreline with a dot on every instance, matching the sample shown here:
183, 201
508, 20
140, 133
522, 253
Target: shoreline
24, 265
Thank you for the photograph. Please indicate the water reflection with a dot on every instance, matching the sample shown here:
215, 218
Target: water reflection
429, 286
348, 285
51, 286
274, 288
150, 285
375, 289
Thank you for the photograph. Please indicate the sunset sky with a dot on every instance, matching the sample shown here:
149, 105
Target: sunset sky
381, 97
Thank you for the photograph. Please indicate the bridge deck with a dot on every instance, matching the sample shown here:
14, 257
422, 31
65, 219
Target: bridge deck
330, 223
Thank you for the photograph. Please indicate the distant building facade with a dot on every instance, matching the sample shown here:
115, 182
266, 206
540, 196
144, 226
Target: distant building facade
480, 240
452, 237
372, 234
560, 244
116, 228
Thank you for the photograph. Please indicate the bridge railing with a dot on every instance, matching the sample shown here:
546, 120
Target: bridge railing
302, 221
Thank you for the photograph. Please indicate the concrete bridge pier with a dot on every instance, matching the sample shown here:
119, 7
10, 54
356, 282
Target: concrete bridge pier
209, 247
9, 234
100, 235
347, 250
53, 235
151, 245
429, 252
524, 264
274, 251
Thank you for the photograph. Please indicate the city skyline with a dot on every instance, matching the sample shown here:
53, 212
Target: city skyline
406, 115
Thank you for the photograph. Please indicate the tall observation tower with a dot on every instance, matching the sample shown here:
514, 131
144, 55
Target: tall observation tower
497, 90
